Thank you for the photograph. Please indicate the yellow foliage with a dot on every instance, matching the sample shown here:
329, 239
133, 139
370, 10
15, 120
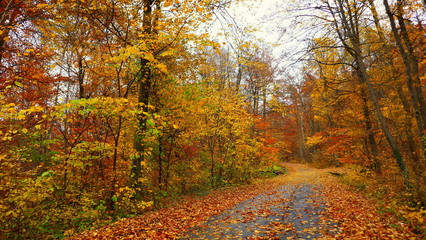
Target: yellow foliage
315, 140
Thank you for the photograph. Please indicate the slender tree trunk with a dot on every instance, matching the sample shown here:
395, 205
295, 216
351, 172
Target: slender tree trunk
351, 40
301, 135
361, 69
239, 75
411, 64
264, 103
160, 164
255, 100
144, 93
143, 100
80, 77
117, 136
372, 145
213, 163
412, 150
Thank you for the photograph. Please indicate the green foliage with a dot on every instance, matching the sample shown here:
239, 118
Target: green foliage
66, 156
52, 182
272, 171
60, 179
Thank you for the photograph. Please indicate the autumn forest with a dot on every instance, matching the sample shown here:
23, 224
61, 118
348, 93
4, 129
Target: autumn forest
110, 109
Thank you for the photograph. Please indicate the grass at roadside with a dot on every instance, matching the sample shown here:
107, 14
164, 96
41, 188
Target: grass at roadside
273, 171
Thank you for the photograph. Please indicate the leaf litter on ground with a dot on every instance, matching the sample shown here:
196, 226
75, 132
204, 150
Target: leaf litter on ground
306, 203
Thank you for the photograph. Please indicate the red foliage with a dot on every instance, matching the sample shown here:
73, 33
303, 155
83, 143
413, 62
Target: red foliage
24, 74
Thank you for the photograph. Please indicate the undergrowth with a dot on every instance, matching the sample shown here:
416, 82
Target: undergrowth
390, 194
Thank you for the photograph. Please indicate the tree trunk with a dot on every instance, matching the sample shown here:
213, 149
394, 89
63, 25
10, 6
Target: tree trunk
411, 64
350, 38
412, 150
239, 75
143, 100
371, 141
80, 77
144, 92
361, 70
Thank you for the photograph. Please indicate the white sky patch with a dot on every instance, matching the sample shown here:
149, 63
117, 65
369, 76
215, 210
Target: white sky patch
275, 25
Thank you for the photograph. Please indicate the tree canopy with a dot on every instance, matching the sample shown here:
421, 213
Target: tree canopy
108, 108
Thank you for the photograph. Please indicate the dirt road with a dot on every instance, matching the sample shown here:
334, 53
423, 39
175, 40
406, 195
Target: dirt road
305, 203
291, 211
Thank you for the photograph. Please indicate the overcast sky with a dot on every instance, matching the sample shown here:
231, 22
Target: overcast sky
274, 24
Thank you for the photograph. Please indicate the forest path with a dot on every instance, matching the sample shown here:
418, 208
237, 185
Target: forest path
305, 203
293, 210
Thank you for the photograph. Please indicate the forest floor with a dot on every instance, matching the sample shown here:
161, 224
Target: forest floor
305, 203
